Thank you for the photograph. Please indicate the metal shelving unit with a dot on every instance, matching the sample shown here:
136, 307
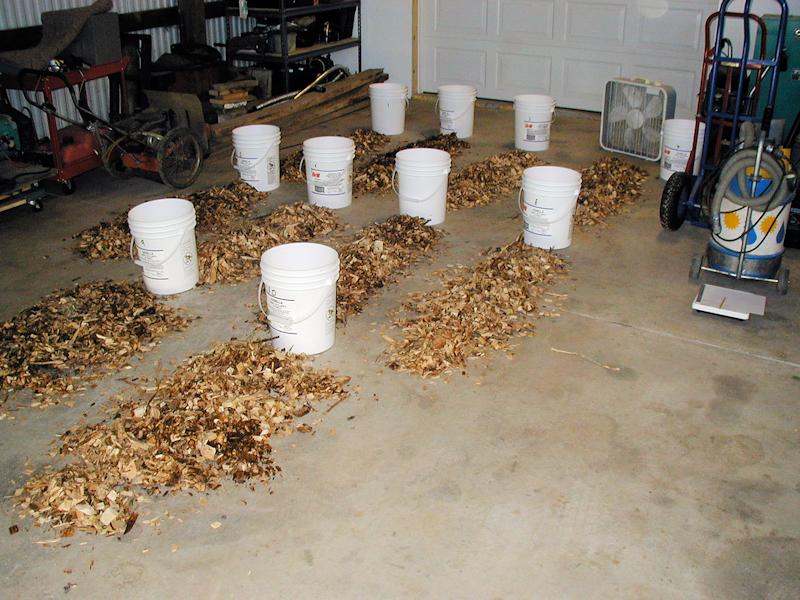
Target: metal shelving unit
287, 57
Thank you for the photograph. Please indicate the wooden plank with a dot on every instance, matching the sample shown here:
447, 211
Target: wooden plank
310, 100
232, 85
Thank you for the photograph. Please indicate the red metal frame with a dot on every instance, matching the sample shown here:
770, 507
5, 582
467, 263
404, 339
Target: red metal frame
48, 85
728, 95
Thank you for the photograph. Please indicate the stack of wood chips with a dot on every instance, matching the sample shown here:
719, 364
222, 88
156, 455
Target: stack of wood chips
233, 97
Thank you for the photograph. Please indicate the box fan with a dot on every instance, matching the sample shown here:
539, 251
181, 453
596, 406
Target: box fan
634, 111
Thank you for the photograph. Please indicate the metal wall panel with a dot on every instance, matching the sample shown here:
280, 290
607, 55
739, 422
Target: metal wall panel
23, 13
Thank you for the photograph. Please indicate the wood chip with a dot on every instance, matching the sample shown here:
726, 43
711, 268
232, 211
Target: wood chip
608, 186
97, 326
232, 399
476, 310
218, 209
235, 255
377, 256
488, 180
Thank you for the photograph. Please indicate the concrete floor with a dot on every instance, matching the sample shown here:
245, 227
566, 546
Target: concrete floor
539, 475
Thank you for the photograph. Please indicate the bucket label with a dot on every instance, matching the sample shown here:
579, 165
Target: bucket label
249, 169
279, 307
157, 265
537, 132
330, 183
535, 219
675, 160
447, 118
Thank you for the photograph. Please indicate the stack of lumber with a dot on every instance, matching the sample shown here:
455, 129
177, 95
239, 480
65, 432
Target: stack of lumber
338, 99
232, 97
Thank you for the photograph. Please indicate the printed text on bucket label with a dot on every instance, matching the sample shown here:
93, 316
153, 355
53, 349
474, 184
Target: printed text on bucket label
537, 132
674, 159
329, 183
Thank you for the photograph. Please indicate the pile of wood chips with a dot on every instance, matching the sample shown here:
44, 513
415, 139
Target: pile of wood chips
367, 143
210, 421
236, 255
608, 186
218, 209
476, 310
376, 175
376, 256
99, 325
486, 181
290, 168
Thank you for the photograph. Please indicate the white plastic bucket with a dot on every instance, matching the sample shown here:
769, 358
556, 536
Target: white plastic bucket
678, 136
256, 155
388, 103
533, 116
300, 284
456, 106
422, 183
163, 233
548, 206
329, 170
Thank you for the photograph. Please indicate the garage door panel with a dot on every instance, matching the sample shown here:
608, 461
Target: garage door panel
594, 23
467, 17
525, 20
567, 48
460, 65
676, 29
581, 78
521, 73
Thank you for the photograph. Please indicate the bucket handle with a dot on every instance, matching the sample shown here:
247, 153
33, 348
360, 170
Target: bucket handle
431, 195
172, 252
539, 219
436, 110
301, 169
263, 288
258, 162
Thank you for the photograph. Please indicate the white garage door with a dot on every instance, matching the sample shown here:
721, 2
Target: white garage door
565, 48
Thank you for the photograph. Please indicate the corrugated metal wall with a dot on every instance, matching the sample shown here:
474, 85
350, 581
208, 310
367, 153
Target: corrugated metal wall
23, 13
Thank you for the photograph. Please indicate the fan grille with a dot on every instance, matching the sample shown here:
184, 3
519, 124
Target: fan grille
633, 116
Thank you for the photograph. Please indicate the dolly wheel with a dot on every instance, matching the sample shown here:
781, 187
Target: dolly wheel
68, 187
696, 268
783, 281
674, 200
180, 156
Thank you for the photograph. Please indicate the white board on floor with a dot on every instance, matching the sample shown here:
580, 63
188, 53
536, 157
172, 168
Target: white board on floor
728, 303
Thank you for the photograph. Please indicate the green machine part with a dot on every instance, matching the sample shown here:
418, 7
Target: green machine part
787, 102
9, 132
